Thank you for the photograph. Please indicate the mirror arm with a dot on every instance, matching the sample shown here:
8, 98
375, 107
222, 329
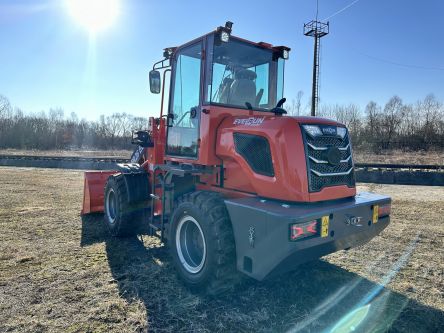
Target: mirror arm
162, 64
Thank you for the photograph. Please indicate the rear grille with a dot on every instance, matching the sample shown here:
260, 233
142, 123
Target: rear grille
255, 150
322, 172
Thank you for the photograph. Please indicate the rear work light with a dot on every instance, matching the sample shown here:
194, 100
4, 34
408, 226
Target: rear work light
304, 230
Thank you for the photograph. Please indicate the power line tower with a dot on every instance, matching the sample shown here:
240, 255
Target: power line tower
317, 30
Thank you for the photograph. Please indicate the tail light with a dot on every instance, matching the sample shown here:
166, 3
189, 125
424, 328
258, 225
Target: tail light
304, 230
381, 211
384, 210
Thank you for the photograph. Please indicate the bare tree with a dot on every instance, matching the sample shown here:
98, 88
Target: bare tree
5, 117
139, 123
391, 119
430, 112
125, 125
373, 113
5, 108
295, 109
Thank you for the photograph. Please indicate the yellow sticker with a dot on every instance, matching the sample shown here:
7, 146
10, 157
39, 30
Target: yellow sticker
324, 226
375, 213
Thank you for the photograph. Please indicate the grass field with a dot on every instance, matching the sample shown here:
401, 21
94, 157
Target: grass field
62, 273
400, 157
74, 153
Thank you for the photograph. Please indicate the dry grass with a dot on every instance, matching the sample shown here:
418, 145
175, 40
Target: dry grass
400, 157
61, 274
70, 153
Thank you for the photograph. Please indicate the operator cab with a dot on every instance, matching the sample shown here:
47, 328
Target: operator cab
217, 70
244, 75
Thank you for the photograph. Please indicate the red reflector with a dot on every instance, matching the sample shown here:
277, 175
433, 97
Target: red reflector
384, 210
312, 227
296, 232
303, 230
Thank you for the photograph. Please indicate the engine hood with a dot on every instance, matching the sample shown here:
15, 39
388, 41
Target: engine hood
266, 154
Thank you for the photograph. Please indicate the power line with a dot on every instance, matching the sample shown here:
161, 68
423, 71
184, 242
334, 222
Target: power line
401, 64
377, 58
341, 10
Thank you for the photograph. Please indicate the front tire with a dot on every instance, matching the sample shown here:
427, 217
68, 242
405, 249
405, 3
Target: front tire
122, 218
201, 243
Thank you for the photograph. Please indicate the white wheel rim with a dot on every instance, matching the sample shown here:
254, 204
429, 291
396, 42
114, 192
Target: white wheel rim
190, 244
111, 206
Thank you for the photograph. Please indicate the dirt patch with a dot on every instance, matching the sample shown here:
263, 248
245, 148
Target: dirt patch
62, 273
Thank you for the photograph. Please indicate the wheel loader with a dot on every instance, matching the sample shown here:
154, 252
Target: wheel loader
229, 182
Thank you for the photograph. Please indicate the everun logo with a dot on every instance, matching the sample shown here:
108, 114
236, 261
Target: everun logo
329, 130
252, 121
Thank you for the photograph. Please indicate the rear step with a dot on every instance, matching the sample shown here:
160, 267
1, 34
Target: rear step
154, 223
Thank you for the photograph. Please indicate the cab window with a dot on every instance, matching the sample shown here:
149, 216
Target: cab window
184, 133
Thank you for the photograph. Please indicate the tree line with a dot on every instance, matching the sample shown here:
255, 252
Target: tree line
394, 125
53, 130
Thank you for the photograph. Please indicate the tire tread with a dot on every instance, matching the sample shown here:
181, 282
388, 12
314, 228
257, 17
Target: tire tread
131, 216
224, 275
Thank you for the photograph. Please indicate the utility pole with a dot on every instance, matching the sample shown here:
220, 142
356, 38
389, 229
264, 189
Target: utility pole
317, 30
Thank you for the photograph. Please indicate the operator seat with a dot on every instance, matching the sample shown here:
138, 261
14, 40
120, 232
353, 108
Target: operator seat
243, 88
225, 91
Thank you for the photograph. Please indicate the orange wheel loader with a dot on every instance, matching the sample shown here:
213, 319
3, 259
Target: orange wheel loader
226, 179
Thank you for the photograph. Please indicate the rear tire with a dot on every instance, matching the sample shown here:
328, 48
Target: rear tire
122, 218
201, 243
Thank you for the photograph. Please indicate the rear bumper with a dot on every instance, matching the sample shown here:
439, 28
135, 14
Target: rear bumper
261, 228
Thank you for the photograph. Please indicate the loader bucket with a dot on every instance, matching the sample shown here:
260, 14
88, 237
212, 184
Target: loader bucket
93, 191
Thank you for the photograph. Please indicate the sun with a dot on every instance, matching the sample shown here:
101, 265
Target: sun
94, 15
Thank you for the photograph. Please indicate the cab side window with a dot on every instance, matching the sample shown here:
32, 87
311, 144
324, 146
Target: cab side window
183, 135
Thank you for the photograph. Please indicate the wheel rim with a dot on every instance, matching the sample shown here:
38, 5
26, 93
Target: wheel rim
190, 244
111, 206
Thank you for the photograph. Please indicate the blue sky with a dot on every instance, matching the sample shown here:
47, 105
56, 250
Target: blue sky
376, 48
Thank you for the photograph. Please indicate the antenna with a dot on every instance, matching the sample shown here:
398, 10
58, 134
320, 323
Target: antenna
317, 30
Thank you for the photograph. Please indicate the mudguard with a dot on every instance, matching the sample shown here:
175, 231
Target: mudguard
136, 181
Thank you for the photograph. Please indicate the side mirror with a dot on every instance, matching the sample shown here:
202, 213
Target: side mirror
155, 82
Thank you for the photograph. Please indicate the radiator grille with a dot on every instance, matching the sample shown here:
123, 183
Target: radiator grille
255, 150
322, 171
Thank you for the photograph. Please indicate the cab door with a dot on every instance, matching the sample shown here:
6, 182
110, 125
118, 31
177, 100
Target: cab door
183, 135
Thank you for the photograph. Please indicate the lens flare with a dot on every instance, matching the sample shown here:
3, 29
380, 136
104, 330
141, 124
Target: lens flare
94, 15
351, 321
